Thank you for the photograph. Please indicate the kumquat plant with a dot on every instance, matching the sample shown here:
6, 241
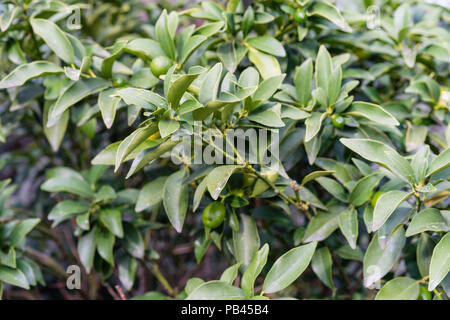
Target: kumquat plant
223, 150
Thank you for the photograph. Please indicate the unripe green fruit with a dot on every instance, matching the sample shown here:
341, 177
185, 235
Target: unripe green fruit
160, 65
119, 82
300, 16
375, 198
338, 121
424, 294
214, 215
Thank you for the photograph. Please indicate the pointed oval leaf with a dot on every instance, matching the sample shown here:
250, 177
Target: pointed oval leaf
288, 267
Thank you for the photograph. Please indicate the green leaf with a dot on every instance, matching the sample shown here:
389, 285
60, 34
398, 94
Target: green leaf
199, 192
314, 175
216, 290
268, 117
323, 70
105, 244
179, 87
56, 132
230, 273
329, 12
21, 230
29, 71
145, 48
72, 184
401, 21
246, 241
302, 81
7, 17
76, 92
441, 162
143, 159
150, 194
86, 249
127, 271
218, 178
348, 223
415, 136
55, 38
382, 154
345, 252
175, 198
372, 112
14, 277
108, 102
248, 20
164, 36
333, 187
267, 65
419, 163
132, 241
268, 45
193, 284
386, 205
313, 124
143, 98
112, 220
190, 46
321, 264
108, 62
254, 269
131, 142
288, 268
440, 262
267, 88
167, 126
377, 261
66, 209
402, 288
210, 84
429, 219
424, 252
362, 190
321, 226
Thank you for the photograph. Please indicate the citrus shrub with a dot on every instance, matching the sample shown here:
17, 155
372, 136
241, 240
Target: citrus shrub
100, 134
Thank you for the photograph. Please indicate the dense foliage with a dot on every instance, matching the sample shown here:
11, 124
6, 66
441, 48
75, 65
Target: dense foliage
100, 106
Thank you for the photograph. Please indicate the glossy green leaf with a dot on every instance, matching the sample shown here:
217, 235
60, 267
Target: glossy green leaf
55, 38
87, 245
267, 65
216, 290
362, 190
175, 198
150, 194
268, 45
377, 261
372, 112
26, 72
348, 223
386, 205
402, 288
321, 264
76, 92
246, 241
288, 268
253, 270
112, 220
382, 154
440, 262
429, 219
218, 178
14, 277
